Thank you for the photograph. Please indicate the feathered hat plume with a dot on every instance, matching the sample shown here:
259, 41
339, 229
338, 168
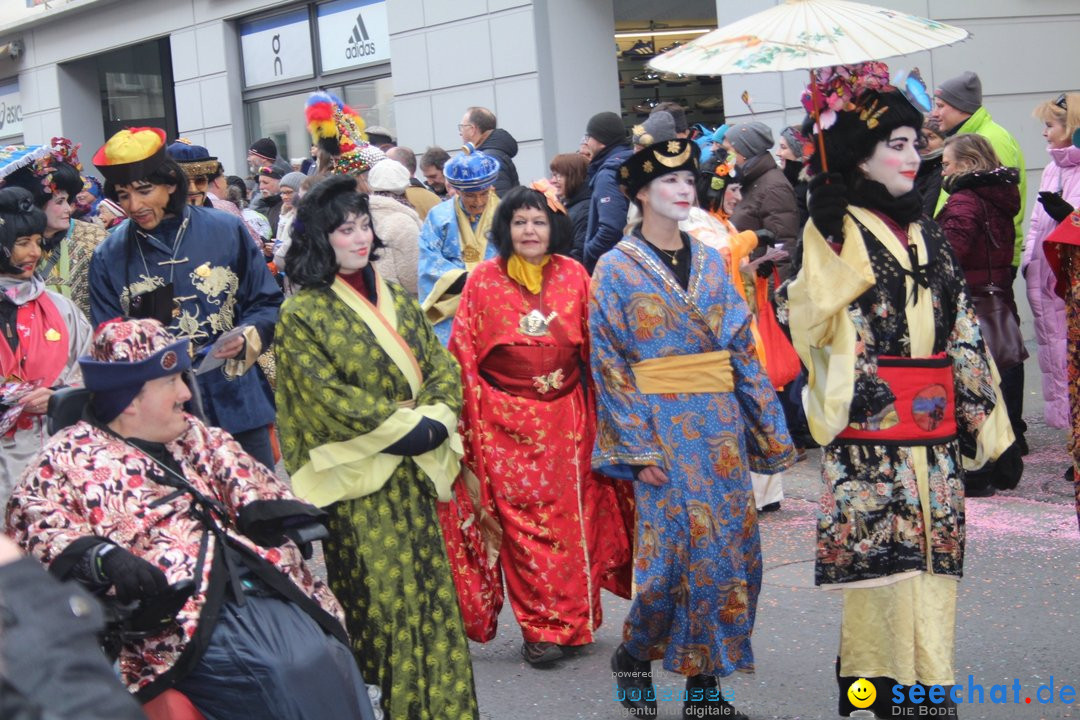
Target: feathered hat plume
334, 126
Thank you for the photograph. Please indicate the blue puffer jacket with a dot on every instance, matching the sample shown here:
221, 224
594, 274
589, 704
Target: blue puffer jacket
607, 204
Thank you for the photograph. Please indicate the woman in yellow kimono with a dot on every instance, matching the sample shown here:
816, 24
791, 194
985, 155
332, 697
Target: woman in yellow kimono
902, 396
368, 402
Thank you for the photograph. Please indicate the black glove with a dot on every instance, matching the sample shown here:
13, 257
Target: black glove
765, 238
427, 435
303, 535
1055, 205
458, 285
827, 204
765, 269
133, 577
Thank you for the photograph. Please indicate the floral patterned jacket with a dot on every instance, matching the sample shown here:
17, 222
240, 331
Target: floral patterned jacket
90, 485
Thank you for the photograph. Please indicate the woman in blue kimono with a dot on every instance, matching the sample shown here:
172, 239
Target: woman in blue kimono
685, 411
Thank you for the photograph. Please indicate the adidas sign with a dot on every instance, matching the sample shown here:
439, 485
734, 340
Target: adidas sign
360, 44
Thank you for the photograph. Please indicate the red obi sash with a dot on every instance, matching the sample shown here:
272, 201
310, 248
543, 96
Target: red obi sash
924, 412
537, 372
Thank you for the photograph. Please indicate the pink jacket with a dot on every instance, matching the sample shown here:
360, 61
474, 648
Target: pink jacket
1061, 175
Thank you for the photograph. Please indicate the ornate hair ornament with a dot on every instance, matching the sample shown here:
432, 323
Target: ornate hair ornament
869, 114
61, 150
837, 89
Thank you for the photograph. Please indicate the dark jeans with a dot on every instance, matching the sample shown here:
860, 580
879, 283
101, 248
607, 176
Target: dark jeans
256, 443
269, 659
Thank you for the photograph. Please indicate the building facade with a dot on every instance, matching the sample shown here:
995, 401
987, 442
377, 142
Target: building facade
224, 72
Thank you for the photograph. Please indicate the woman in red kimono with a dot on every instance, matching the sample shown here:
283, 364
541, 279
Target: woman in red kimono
521, 336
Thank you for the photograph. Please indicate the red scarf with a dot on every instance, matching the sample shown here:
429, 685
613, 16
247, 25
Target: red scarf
42, 351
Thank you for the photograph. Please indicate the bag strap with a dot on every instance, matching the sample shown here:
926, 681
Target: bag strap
989, 236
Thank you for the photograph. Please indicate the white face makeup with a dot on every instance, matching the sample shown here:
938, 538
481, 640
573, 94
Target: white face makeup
895, 162
670, 196
352, 243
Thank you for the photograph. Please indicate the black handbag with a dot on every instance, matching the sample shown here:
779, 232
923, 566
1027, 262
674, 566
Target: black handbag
1000, 328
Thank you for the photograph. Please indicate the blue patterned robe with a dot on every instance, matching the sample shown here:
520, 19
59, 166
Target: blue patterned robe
697, 564
440, 253
222, 283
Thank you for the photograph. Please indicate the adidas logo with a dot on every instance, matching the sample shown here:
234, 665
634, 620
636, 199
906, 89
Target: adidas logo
360, 44
359, 32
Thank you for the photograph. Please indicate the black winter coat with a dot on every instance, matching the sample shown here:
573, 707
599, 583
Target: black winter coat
503, 147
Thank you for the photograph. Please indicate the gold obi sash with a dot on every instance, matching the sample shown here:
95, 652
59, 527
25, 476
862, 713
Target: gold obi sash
685, 374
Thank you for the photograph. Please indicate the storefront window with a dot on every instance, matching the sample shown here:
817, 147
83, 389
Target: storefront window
133, 82
282, 118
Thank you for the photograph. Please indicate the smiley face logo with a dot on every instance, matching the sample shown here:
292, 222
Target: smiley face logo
862, 693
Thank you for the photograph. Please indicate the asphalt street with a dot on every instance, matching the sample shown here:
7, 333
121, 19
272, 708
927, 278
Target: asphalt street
1018, 615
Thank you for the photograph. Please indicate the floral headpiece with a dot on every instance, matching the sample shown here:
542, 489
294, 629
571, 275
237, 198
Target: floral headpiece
61, 150
839, 87
724, 174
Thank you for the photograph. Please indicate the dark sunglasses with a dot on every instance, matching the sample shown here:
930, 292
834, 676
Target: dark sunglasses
1061, 102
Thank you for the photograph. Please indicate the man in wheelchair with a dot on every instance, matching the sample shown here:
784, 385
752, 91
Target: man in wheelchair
145, 505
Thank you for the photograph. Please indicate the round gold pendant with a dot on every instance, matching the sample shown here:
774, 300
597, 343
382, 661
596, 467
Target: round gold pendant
470, 254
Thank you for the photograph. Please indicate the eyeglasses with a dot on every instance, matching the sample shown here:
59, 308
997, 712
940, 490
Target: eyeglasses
462, 126
1061, 102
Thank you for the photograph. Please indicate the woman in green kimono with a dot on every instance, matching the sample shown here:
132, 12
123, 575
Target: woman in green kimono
368, 401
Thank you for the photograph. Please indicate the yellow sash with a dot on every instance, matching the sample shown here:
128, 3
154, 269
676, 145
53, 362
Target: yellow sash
358, 467
474, 242
698, 373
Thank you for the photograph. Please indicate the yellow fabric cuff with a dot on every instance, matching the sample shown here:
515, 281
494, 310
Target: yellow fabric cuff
821, 331
439, 306
358, 467
237, 366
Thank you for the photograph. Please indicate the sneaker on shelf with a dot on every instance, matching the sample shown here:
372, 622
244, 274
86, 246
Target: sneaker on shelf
646, 79
641, 49
672, 46
710, 104
676, 79
646, 106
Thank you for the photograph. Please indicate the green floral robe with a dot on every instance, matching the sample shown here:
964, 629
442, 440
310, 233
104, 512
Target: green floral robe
385, 559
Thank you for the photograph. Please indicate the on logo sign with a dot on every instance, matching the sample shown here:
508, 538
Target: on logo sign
360, 44
275, 45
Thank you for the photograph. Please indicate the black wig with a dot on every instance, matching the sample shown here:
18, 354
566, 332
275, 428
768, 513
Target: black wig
19, 217
562, 231
311, 261
168, 173
856, 133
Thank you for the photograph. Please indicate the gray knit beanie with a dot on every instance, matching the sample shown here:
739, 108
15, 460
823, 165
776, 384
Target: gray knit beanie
963, 92
658, 127
750, 139
293, 180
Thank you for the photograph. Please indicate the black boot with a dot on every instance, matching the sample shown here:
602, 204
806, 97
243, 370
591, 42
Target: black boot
882, 705
704, 700
633, 682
